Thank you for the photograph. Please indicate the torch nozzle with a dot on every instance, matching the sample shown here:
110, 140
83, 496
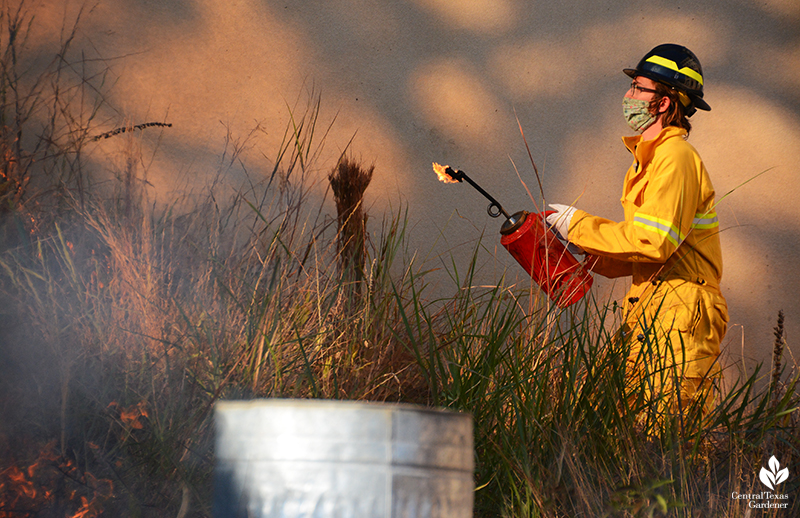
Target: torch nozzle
495, 209
455, 175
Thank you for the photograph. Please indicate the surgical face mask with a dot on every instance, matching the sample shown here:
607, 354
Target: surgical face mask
637, 114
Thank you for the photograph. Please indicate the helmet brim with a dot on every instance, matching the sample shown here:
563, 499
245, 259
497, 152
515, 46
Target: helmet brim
697, 101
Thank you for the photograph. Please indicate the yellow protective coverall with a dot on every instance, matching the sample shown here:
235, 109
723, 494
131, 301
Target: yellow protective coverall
669, 244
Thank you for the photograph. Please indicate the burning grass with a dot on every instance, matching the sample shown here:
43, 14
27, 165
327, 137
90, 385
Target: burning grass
127, 325
51, 485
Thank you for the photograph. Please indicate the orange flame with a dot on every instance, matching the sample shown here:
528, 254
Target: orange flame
34, 487
84, 510
88, 509
130, 416
19, 482
440, 171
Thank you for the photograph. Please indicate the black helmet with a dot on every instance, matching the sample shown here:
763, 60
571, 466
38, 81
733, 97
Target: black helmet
675, 66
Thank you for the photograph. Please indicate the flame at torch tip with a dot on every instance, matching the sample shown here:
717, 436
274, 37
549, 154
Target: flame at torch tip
443, 176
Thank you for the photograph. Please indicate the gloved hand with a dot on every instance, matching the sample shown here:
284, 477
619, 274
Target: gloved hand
561, 218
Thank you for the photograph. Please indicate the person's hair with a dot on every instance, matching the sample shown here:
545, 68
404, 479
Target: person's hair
676, 112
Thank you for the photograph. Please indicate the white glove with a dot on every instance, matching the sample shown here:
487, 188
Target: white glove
560, 219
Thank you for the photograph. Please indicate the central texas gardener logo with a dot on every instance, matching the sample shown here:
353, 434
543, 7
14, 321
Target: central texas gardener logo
775, 475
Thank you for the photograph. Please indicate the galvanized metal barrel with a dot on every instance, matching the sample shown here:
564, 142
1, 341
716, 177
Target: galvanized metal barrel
322, 458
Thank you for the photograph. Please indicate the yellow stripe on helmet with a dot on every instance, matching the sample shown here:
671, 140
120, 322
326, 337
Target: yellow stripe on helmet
668, 63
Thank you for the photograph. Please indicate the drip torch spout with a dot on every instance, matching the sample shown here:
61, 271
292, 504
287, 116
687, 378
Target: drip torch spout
535, 246
494, 209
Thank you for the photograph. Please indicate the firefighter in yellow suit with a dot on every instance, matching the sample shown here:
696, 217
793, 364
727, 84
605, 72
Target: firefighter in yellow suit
669, 240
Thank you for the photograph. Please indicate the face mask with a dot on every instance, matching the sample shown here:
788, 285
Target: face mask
636, 113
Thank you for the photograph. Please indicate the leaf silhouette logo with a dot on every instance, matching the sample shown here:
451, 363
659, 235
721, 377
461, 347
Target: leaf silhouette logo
775, 475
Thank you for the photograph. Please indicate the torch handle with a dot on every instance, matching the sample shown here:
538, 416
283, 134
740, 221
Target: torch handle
498, 209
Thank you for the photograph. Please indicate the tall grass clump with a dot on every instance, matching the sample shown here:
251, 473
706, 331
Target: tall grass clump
561, 432
126, 323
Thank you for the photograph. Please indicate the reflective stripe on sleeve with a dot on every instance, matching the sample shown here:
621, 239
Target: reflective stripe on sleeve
705, 220
659, 226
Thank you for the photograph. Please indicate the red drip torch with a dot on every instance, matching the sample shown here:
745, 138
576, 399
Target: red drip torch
535, 246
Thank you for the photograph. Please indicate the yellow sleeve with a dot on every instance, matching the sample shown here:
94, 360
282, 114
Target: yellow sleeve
608, 267
658, 225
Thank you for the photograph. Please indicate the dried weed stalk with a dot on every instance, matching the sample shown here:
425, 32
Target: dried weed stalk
349, 179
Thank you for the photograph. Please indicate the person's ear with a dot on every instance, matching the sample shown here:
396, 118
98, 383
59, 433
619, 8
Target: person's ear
663, 104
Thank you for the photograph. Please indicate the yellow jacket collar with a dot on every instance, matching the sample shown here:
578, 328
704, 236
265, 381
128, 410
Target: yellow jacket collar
643, 149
